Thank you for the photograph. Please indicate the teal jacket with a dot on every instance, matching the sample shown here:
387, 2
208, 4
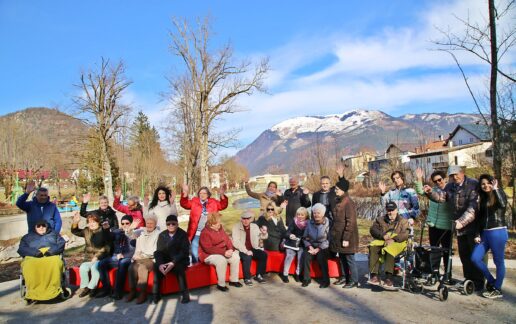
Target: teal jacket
439, 214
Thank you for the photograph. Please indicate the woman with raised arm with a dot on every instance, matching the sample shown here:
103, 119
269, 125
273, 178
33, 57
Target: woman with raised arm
491, 234
162, 205
133, 208
272, 194
199, 208
105, 212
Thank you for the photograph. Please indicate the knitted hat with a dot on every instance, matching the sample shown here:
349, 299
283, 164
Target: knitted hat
171, 218
342, 184
127, 218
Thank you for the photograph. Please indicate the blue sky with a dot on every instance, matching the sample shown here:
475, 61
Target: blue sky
327, 57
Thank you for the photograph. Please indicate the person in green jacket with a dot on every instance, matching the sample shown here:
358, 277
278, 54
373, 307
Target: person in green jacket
439, 218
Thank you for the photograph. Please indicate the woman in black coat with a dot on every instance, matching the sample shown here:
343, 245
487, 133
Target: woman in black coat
275, 227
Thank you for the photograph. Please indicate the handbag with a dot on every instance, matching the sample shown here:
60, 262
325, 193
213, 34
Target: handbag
292, 244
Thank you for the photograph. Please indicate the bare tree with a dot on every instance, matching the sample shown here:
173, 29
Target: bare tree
481, 40
99, 104
208, 91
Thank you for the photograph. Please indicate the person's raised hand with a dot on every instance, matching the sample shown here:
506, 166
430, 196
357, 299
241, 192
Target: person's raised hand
172, 196
146, 199
118, 193
185, 189
495, 184
284, 204
86, 198
382, 186
419, 174
427, 189
340, 170
30, 187
222, 190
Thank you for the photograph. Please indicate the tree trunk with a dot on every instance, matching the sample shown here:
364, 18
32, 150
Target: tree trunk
106, 170
203, 161
497, 157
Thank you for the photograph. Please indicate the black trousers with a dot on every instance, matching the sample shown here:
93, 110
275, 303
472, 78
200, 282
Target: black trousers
178, 269
442, 238
466, 244
261, 262
322, 260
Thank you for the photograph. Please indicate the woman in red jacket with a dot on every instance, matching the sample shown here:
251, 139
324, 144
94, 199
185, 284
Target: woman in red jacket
199, 207
133, 208
217, 249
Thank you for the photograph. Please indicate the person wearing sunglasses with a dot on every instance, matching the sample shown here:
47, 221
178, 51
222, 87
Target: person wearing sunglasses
172, 255
439, 218
123, 251
275, 227
41, 249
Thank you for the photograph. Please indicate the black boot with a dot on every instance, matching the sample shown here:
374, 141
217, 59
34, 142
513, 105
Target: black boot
185, 297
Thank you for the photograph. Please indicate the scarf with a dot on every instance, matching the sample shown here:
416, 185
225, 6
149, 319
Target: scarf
269, 194
300, 224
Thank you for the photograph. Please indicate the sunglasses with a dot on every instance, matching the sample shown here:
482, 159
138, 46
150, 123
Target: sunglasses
40, 225
171, 223
438, 180
126, 223
270, 209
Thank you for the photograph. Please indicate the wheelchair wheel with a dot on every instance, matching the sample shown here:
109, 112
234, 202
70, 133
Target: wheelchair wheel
443, 293
67, 293
23, 288
469, 287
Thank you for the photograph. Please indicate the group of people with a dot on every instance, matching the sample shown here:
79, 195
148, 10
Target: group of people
148, 237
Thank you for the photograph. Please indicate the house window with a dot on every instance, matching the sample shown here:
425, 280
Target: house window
460, 142
428, 160
489, 153
471, 139
456, 160
441, 158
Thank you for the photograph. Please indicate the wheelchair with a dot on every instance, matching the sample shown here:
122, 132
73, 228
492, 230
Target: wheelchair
64, 293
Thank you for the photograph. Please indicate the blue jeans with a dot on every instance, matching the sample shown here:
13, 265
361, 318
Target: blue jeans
195, 249
122, 266
84, 270
495, 241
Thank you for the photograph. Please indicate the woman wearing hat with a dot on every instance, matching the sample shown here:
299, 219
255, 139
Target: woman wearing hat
390, 233
172, 255
246, 239
344, 233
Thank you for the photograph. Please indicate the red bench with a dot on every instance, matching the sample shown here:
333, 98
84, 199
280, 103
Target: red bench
202, 275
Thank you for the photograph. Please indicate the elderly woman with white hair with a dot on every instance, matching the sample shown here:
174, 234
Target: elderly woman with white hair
316, 242
143, 259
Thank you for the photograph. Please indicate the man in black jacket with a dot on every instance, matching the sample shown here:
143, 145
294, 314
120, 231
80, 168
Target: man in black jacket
296, 197
172, 255
326, 196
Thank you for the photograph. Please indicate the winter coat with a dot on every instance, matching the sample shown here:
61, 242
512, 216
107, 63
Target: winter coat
298, 232
36, 211
174, 249
239, 236
439, 214
122, 243
463, 200
32, 242
162, 210
107, 214
406, 200
146, 244
98, 242
213, 242
382, 225
195, 207
317, 235
276, 233
494, 216
264, 200
345, 227
135, 214
296, 198
330, 205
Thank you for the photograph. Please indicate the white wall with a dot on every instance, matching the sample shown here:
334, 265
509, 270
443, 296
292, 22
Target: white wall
463, 137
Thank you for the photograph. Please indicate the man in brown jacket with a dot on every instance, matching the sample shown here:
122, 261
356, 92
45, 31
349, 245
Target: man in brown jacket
389, 230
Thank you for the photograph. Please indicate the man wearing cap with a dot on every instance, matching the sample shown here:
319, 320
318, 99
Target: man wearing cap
172, 255
462, 196
246, 239
390, 233
405, 198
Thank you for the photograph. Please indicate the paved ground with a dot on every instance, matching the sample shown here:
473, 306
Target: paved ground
273, 302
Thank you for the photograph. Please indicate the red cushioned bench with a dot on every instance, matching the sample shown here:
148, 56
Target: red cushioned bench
203, 275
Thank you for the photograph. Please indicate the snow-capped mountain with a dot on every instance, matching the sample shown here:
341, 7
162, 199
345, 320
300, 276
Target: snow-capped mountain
349, 132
